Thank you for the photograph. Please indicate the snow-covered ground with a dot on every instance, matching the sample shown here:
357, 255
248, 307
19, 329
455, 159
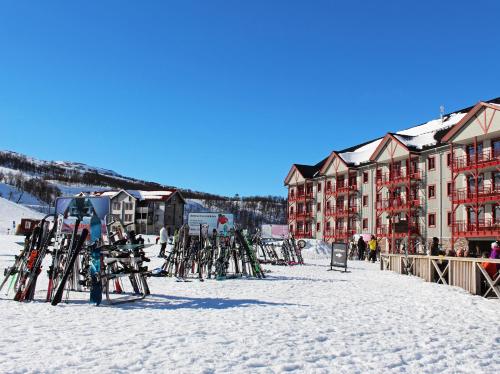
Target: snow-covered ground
301, 319
10, 211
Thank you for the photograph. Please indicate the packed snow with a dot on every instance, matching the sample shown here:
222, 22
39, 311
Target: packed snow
299, 319
11, 212
361, 154
434, 125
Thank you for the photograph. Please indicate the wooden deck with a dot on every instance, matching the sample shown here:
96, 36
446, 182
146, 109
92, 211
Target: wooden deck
464, 272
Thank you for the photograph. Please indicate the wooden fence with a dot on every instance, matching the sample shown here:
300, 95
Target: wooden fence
464, 272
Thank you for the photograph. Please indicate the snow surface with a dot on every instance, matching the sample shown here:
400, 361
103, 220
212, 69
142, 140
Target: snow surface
16, 195
301, 319
434, 125
10, 211
361, 154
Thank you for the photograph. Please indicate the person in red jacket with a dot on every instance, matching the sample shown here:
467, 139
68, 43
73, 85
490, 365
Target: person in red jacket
492, 268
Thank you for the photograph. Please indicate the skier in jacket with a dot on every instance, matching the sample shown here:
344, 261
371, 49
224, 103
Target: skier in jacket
361, 248
163, 241
372, 244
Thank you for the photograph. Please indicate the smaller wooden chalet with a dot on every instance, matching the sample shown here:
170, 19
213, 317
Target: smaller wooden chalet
147, 211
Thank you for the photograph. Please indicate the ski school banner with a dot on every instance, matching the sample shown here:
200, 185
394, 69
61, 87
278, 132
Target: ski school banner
222, 222
72, 208
274, 231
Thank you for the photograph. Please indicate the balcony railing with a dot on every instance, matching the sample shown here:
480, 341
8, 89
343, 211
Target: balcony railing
300, 197
399, 177
394, 231
486, 193
301, 234
304, 214
345, 187
397, 204
485, 159
341, 189
339, 233
341, 211
483, 228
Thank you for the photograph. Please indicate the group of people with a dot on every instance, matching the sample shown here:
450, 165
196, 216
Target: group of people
461, 252
362, 248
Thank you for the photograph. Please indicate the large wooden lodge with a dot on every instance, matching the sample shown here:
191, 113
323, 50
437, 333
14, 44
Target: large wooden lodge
440, 178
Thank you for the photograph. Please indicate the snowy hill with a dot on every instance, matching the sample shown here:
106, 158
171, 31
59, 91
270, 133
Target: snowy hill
40, 182
10, 211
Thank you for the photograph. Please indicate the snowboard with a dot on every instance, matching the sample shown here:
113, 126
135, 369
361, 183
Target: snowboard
95, 261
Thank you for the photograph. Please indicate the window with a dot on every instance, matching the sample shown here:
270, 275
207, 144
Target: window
291, 228
431, 219
365, 177
319, 187
448, 188
318, 207
116, 205
431, 163
431, 192
365, 223
328, 186
328, 205
318, 226
449, 218
448, 159
365, 200
128, 217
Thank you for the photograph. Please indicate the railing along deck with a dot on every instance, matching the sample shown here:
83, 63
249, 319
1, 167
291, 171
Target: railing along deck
464, 272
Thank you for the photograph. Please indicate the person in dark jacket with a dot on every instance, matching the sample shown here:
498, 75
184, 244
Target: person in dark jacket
361, 248
435, 250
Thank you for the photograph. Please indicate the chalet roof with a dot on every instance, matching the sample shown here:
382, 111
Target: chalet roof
310, 171
416, 138
163, 195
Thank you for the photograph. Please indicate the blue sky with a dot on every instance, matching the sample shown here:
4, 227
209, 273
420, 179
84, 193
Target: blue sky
223, 96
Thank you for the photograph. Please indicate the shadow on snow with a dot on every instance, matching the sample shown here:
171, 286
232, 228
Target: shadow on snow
166, 302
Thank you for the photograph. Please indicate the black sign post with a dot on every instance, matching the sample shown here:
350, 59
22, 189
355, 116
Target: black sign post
339, 256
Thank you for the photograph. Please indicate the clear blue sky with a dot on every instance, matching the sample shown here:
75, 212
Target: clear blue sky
223, 96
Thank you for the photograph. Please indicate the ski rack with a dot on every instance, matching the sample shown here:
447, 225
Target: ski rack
121, 263
199, 256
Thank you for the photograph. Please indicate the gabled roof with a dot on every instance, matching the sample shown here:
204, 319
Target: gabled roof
112, 193
456, 129
416, 139
329, 160
388, 137
307, 171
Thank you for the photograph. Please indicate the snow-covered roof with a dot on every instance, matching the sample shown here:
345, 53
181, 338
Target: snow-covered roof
361, 154
151, 195
424, 135
140, 195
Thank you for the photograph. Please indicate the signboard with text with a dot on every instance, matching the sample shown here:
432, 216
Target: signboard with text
221, 222
339, 256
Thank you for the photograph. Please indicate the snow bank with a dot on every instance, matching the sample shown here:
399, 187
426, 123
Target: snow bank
10, 211
315, 249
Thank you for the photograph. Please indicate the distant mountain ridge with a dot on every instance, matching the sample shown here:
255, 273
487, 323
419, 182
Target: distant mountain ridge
46, 180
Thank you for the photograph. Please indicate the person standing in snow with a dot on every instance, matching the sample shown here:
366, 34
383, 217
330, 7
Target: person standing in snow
361, 248
163, 241
372, 244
